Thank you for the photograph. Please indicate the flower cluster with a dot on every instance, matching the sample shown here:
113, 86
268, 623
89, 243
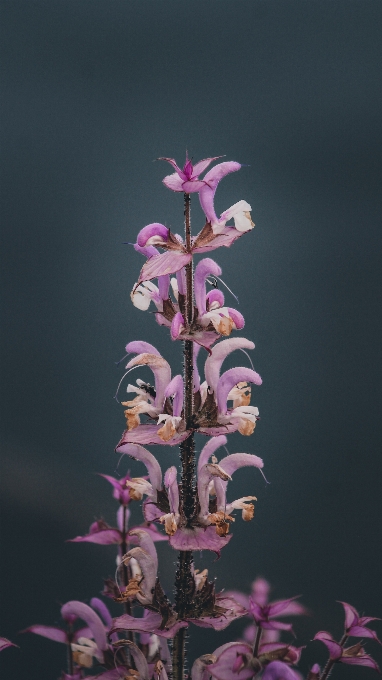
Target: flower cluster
190, 509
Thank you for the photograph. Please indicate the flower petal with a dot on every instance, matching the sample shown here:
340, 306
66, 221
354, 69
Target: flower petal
210, 448
202, 165
175, 389
177, 326
170, 480
50, 632
165, 263
162, 373
231, 378
103, 537
277, 670
203, 269
141, 347
219, 353
153, 235
212, 179
226, 656
140, 453
148, 434
149, 624
351, 615
199, 539
173, 182
233, 611
335, 649
83, 611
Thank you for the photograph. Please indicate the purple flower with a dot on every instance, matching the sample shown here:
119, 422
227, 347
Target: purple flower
211, 525
5, 643
355, 625
187, 179
264, 615
354, 655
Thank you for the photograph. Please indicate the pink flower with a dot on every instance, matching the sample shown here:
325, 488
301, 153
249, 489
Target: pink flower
5, 643
187, 179
354, 655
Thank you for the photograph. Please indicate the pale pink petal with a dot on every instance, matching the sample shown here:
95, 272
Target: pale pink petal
226, 657
235, 461
103, 537
218, 430
212, 179
146, 457
351, 615
164, 286
196, 349
203, 270
215, 296
149, 567
219, 353
165, 263
281, 605
181, 279
237, 318
174, 164
229, 379
234, 611
161, 370
141, 347
83, 611
148, 434
199, 539
177, 325
224, 238
146, 542
199, 670
335, 649
173, 182
175, 389
151, 529
50, 632
147, 251
192, 186
102, 609
260, 591
209, 449
149, 624
152, 230
170, 480
202, 165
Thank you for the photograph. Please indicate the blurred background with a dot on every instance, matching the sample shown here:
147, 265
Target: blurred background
93, 92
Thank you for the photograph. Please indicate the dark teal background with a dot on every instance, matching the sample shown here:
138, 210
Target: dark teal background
92, 92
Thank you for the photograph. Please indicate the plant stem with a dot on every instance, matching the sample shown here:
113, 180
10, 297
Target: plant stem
330, 663
259, 632
125, 572
184, 577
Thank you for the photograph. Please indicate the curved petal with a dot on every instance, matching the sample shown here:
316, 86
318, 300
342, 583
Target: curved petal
174, 164
229, 379
146, 542
205, 474
280, 606
212, 179
181, 280
83, 611
199, 670
226, 657
147, 251
170, 480
152, 234
165, 263
177, 325
335, 649
209, 449
164, 286
215, 296
139, 661
162, 373
102, 609
141, 347
203, 269
237, 318
175, 389
140, 453
235, 461
219, 353
50, 632
149, 568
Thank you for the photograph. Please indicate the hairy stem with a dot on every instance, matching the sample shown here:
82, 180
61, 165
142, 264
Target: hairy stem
184, 577
330, 663
126, 576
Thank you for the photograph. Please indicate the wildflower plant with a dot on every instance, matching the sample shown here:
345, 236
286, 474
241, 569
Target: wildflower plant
188, 507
